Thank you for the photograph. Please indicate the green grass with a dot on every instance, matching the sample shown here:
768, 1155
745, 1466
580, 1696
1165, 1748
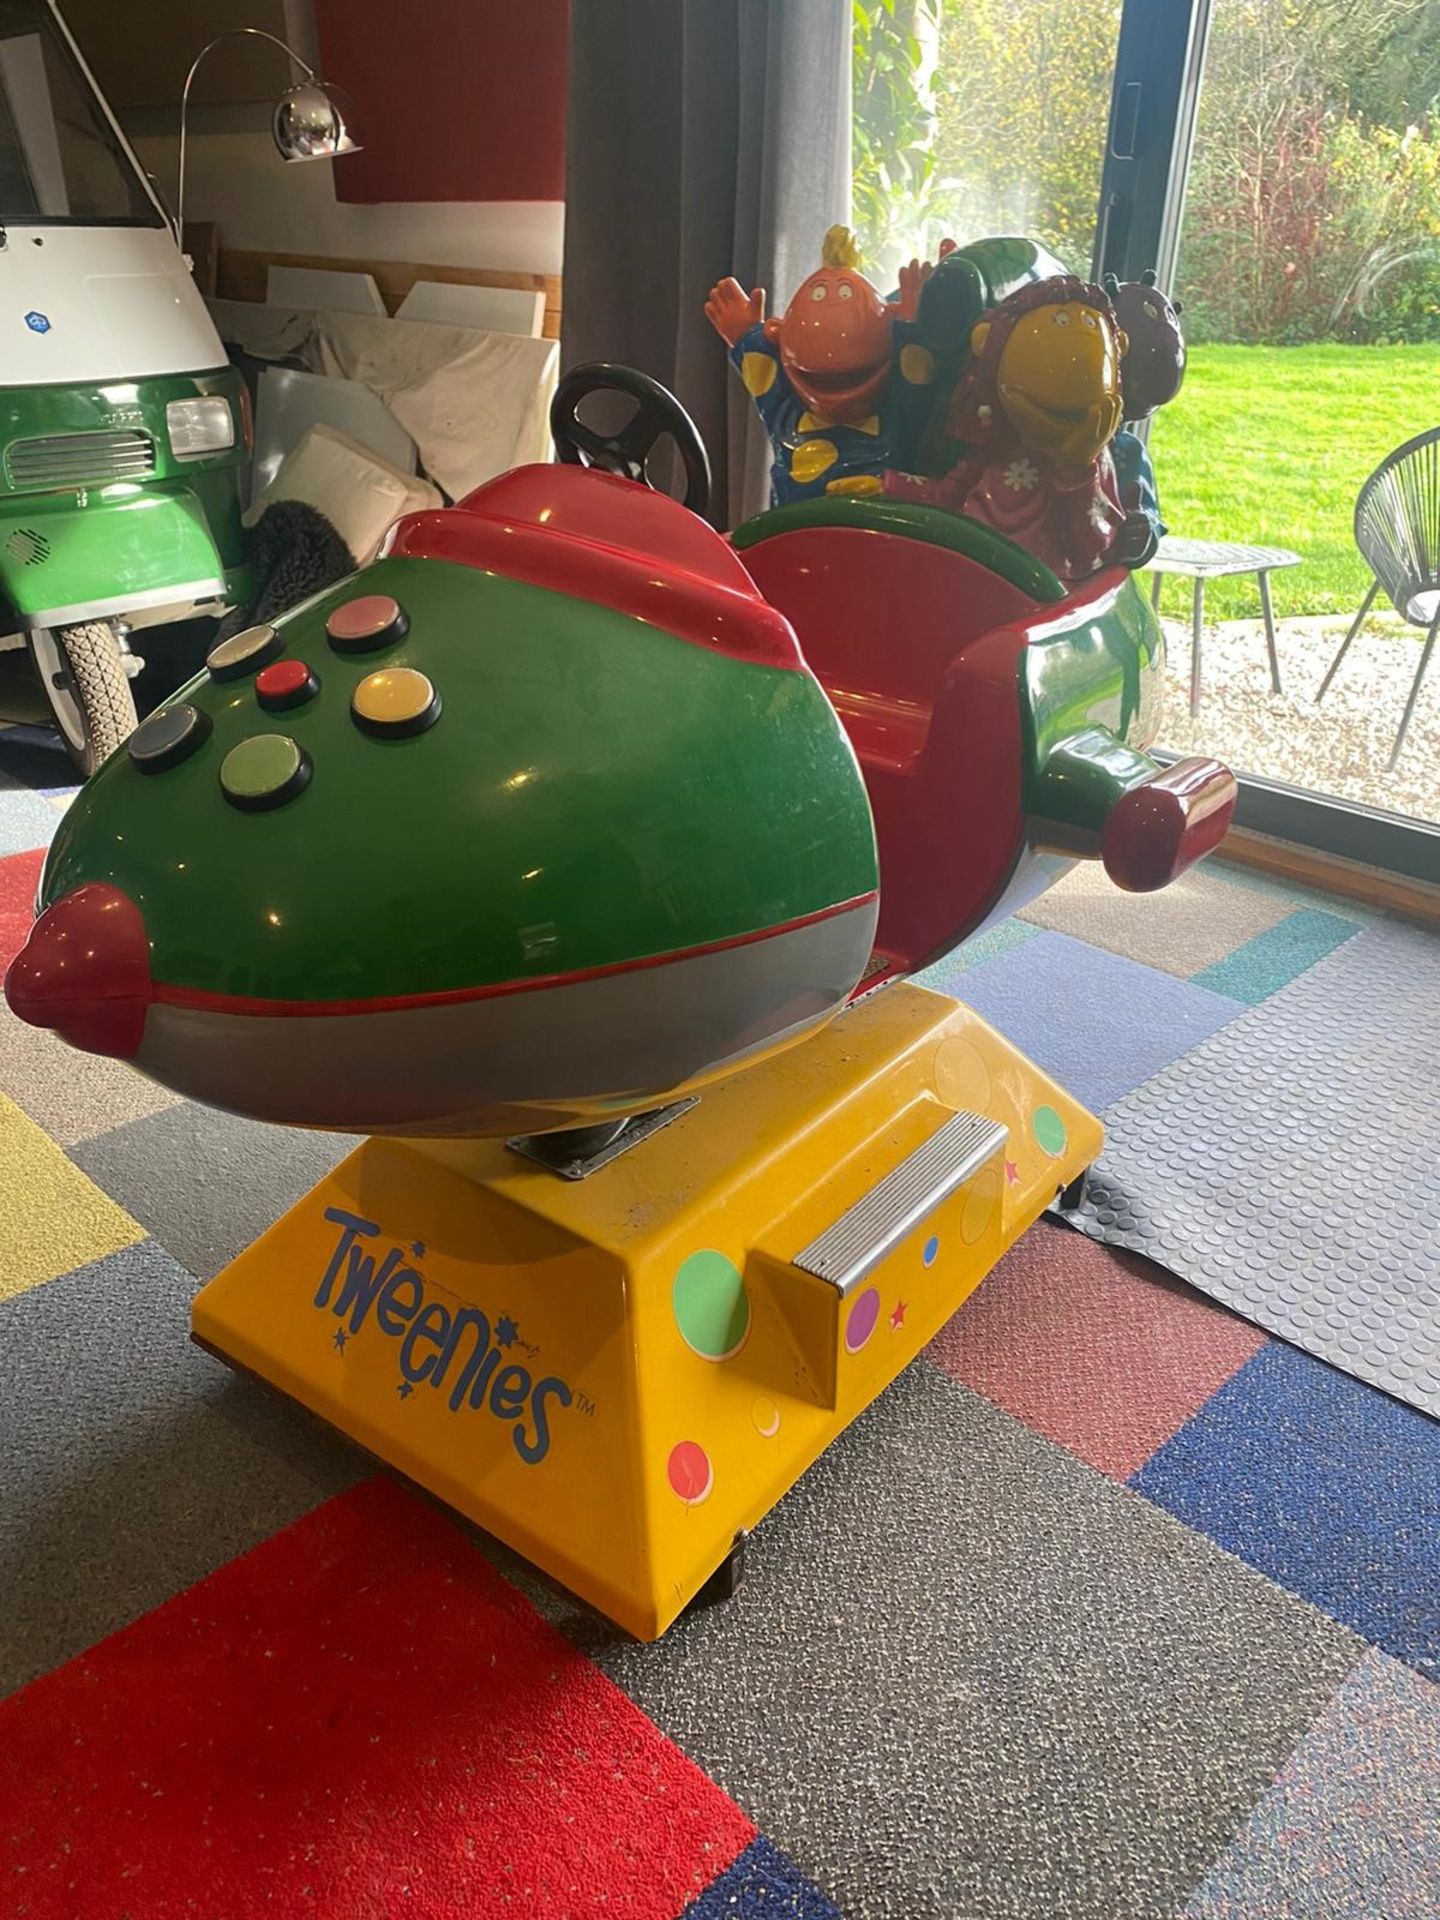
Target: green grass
1271, 445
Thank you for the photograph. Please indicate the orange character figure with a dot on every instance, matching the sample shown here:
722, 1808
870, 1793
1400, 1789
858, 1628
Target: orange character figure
840, 379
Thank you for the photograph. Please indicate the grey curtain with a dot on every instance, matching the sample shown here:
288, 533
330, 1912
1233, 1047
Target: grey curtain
706, 137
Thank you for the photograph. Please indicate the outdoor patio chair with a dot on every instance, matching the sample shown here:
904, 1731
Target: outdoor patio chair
1397, 529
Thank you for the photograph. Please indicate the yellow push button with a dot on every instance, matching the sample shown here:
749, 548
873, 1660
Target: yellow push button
395, 701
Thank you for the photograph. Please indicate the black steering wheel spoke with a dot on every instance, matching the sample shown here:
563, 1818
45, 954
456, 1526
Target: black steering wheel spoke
635, 441
658, 415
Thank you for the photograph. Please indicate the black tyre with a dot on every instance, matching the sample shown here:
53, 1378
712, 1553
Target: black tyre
84, 678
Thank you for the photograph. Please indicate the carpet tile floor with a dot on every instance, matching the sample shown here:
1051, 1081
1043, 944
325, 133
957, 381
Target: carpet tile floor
1111, 1608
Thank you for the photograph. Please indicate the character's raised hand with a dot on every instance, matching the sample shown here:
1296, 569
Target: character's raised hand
912, 279
732, 312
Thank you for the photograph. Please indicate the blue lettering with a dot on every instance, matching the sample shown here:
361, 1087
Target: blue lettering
466, 1317
363, 1281
392, 1313
432, 1336
482, 1378
534, 1451
510, 1392
431, 1323
351, 1225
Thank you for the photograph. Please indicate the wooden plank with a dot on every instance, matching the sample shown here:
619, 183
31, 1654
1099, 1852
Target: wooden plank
1372, 886
202, 243
242, 276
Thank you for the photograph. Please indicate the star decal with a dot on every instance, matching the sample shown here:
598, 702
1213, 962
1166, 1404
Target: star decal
417, 1247
340, 1338
506, 1331
1012, 1173
404, 1389
897, 1315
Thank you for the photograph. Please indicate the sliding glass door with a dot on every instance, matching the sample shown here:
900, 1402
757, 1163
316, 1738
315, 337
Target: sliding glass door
1277, 162
1307, 261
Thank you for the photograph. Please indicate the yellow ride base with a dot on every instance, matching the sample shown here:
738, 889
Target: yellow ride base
619, 1376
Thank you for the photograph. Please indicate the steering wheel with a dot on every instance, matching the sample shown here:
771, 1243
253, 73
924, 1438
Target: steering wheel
657, 413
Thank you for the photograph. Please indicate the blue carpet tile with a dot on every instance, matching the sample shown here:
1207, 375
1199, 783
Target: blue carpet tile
1326, 1485
1098, 1023
972, 953
763, 1884
1276, 957
34, 758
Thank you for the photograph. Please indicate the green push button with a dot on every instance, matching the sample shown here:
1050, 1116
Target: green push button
264, 771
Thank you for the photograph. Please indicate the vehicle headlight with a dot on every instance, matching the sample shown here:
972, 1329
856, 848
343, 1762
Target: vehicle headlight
198, 427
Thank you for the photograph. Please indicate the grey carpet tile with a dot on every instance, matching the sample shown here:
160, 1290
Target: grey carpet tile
206, 1184
968, 1677
133, 1464
72, 1095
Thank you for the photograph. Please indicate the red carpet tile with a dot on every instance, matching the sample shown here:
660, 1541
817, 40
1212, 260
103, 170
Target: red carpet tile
358, 1717
19, 877
1094, 1349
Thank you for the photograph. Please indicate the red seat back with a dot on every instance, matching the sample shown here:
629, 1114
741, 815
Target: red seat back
919, 647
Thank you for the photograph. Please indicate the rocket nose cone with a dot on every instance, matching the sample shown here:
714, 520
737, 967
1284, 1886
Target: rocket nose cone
85, 971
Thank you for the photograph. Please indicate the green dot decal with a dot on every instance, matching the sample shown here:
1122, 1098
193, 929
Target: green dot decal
1049, 1131
712, 1309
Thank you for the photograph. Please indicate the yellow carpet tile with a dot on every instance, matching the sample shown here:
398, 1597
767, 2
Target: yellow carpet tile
52, 1219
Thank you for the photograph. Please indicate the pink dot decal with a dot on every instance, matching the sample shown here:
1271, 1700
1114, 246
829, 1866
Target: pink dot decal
689, 1472
864, 1317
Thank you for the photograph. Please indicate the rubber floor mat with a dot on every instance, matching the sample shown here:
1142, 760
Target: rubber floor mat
1289, 1165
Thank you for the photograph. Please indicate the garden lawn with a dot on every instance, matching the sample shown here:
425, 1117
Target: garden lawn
1271, 445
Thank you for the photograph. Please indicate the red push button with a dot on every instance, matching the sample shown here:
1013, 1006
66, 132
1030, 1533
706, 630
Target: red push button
285, 683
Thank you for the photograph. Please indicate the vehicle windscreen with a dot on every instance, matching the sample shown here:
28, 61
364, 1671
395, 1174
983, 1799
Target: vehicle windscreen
60, 162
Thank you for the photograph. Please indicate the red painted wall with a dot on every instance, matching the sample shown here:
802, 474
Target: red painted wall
456, 99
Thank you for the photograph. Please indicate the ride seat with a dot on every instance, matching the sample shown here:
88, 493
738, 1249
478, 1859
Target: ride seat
914, 621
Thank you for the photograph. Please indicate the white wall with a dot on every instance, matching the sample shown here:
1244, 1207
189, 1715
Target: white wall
261, 204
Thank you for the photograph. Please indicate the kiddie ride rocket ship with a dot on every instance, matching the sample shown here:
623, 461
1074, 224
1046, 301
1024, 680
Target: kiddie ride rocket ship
561, 853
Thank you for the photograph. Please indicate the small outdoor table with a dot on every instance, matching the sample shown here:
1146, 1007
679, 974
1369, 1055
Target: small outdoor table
1206, 560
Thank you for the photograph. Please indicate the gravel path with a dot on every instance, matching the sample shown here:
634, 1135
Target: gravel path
1338, 747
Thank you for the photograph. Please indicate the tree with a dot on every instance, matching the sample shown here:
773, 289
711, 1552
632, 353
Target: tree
1023, 102
894, 188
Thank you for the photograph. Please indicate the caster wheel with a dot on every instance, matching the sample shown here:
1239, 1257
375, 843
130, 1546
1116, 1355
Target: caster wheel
1073, 1196
724, 1583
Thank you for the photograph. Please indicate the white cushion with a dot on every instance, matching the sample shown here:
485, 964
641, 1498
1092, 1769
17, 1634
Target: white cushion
360, 494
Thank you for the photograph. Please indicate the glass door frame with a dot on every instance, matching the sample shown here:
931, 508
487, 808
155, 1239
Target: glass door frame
1155, 97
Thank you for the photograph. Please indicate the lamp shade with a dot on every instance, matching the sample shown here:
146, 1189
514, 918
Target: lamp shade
314, 121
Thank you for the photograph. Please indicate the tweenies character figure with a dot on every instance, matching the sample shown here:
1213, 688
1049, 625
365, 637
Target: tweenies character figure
1037, 407
841, 381
1150, 376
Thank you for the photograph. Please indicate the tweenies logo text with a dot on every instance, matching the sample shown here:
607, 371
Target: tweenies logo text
438, 1344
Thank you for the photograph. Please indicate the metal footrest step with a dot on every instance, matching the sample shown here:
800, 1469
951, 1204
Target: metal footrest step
879, 1220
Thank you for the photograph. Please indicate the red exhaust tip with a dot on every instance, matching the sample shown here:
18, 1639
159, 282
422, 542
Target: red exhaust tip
85, 972
1167, 823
